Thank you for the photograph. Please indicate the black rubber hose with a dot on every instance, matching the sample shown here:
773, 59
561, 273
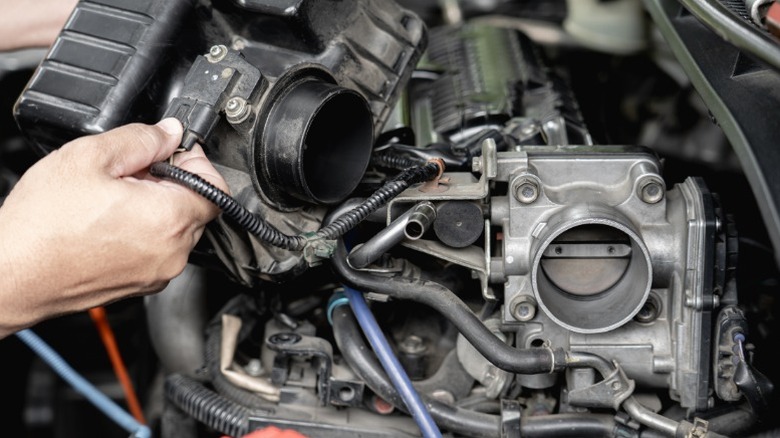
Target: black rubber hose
358, 355
206, 406
268, 233
441, 299
455, 419
568, 426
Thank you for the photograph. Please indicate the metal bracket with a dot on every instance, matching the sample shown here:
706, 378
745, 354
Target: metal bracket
610, 392
511, 414
220, 81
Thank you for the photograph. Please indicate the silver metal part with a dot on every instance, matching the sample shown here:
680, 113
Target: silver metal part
423, 215
607, 272
237, 110
217, 53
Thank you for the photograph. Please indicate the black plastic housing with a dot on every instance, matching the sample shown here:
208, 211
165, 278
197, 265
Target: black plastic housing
286, 97
106, 56
117, 62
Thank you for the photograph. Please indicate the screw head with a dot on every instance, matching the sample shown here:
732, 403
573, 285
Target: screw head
413, 345
236, 109
526, 190
217, 53
523, 308
651, 191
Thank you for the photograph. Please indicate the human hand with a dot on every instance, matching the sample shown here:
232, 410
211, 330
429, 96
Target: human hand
88, 225
32, 23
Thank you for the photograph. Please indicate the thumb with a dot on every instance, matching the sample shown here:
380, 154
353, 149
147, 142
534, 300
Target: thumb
131, 148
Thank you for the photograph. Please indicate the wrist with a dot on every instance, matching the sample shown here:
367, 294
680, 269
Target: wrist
13, 316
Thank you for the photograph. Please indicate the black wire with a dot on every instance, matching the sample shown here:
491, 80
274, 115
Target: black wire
243, 217
267, 232
394, 161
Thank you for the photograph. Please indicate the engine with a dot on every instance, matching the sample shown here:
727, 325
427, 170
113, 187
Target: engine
534, 284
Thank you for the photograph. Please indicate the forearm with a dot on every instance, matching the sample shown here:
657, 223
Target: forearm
12, 318
32, 23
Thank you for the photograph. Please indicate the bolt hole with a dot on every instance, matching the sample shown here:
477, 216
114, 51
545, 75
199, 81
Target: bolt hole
558, 250
536, 343
346, 393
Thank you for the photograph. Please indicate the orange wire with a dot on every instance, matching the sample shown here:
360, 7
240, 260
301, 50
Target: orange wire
98, 315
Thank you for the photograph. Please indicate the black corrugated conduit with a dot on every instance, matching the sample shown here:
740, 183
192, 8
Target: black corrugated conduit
207, 406
268, 233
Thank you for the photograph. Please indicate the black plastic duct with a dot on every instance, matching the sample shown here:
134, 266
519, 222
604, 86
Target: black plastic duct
317, 142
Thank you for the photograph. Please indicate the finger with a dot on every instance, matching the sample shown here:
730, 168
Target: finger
129, 149
195, 161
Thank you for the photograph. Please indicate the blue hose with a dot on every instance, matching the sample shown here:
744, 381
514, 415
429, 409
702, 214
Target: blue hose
97, 398
391, 365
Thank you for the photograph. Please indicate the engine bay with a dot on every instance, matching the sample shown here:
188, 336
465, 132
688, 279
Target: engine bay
551, 225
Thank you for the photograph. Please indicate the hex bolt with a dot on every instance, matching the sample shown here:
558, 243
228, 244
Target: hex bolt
528, 130
476, 164
217, 53
651, 191
254, 367
412, 345
236, 109
526, 190
523, 308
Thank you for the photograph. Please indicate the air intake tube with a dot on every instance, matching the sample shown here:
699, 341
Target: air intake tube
317, 142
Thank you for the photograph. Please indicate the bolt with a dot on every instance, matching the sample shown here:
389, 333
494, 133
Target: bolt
650, 310
476, 164
526, 190
412, 345
616, 385
284, 339
651, 191
527, 130
254, 367
217, 53
523, 308
236, 110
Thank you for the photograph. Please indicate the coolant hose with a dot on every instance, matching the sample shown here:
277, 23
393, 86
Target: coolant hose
272, 236
441, 299
207, 406
81, 385
391, 364
455, 419
358, 356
